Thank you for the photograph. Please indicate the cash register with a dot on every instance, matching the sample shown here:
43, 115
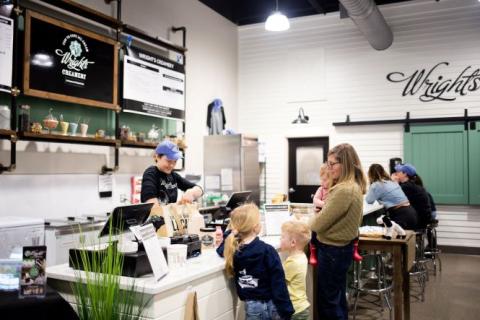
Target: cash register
220, 215
135, 264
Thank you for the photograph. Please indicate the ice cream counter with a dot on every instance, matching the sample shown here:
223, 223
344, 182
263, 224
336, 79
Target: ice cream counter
167, 298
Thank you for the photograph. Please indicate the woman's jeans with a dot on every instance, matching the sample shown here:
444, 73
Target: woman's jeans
333, 264
260, 310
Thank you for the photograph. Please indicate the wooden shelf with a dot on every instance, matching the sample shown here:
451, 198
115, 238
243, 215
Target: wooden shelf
6, 134
46, 137
136, 144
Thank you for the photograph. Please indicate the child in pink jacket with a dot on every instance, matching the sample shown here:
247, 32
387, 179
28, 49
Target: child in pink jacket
322, 192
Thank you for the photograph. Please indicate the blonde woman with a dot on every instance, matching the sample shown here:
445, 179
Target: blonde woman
255, 267
336, 228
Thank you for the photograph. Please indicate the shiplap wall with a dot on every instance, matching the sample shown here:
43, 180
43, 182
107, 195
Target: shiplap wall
425, 33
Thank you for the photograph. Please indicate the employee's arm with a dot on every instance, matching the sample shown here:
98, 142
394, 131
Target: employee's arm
153, 200
192, 194
191, 190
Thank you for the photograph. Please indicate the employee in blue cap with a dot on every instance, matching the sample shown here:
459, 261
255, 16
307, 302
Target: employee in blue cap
160, 183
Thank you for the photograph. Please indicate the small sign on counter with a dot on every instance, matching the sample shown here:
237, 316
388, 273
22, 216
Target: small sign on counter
147, 235
275, 216
33, 279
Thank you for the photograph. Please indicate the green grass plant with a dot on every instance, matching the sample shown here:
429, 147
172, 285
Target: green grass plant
97, 291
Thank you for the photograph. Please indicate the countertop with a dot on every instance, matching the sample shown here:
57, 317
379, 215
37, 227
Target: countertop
205, 264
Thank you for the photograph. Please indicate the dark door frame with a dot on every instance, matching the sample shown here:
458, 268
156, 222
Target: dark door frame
293, 143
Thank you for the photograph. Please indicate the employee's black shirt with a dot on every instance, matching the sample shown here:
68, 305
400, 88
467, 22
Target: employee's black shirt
157, 184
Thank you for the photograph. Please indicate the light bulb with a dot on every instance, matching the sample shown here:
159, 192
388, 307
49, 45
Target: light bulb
277, 22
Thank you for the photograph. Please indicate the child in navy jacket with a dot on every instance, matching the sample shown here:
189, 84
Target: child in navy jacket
255, 266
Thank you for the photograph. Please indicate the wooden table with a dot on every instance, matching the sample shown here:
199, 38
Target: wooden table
403, 252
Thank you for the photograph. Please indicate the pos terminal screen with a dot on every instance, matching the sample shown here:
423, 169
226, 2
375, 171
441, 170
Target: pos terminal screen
124, 217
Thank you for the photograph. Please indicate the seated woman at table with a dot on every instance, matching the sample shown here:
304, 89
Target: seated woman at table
390, 194
406, 175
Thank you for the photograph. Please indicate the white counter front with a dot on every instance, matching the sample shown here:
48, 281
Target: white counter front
167, 297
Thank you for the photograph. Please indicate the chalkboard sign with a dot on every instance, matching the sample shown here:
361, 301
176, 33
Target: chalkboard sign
67, 63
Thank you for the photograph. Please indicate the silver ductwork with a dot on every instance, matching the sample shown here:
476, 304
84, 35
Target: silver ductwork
370, 22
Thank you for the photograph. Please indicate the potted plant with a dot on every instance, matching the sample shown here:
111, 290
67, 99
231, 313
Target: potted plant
97, 290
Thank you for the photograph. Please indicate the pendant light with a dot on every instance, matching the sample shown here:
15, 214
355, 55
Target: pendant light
277, 21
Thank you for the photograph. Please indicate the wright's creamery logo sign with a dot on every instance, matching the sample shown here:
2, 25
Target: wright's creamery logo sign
431, 84
74, 60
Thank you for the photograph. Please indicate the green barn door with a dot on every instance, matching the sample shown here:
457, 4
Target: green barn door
439, 152
474, 163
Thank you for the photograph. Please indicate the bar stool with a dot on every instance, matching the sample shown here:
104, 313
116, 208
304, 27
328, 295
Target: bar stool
419, 269
432, 252
376, 284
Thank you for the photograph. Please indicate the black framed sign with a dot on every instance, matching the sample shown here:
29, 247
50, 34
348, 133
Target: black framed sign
67, 63
153, 85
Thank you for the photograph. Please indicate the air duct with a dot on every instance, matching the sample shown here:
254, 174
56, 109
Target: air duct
370, 22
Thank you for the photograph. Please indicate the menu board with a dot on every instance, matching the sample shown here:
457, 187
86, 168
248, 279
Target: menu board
153, 85
6, 49
67, 63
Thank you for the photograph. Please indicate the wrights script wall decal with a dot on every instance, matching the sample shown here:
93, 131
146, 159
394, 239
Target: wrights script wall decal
432, 86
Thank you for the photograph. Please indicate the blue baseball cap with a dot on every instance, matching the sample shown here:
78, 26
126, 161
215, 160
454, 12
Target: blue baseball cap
407, 168
217, 103
169, 149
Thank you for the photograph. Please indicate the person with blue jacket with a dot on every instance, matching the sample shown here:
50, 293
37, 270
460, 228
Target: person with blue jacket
391, 195
256, 267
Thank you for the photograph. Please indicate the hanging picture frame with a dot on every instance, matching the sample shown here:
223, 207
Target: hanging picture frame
71, 64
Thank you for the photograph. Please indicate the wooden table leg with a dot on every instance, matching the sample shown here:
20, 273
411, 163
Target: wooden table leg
397, 282
406, 283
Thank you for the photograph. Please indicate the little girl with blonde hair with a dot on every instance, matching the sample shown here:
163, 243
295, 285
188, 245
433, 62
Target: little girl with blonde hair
255, 267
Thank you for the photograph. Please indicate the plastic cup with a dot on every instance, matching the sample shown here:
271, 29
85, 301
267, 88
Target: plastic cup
83, 129
73, 128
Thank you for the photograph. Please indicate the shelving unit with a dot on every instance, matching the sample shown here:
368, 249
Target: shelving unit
7, 134
58, 138
136, 144
17, 97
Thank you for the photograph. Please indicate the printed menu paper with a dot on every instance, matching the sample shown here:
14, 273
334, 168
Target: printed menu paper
6, 53
275, 216
147, 235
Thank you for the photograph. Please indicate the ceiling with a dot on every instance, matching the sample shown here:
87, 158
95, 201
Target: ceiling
243, 12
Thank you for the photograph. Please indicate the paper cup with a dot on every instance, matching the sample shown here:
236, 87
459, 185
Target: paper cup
177, 256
